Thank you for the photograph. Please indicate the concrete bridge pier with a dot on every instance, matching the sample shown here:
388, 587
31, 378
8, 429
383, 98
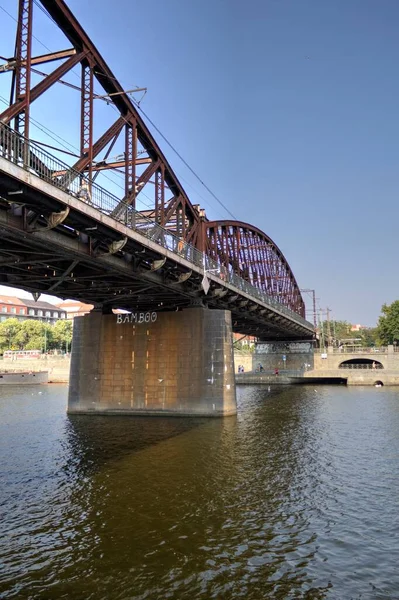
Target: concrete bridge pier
170, 363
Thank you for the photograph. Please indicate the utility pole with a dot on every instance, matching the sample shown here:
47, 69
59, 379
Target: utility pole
322, 338
328, 310
313, 294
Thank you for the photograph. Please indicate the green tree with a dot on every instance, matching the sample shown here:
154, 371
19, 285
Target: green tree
30, 335
62, 335
9, 330
388, 323
369, 337
48, 340
35, 335
339, 330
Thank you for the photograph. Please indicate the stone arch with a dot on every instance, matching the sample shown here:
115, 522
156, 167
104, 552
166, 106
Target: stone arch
360, 363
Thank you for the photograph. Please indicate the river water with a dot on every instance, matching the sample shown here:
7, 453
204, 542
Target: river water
295, 498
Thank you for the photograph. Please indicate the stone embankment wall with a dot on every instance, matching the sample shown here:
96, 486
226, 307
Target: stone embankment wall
299, 359
57, 367
332, 359
243, 358
266, 379
357, 376
289, 356
23, 378
327, 364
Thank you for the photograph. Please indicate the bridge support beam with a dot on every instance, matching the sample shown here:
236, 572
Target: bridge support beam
171, 363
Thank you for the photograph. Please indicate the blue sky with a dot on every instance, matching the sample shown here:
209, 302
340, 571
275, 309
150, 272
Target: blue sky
287, 109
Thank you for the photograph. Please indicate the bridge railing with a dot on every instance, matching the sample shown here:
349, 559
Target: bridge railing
361, 366
360, 350
31, 157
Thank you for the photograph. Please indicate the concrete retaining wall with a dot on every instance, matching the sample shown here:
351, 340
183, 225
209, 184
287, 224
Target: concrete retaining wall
23, 378
358, 376
292, 356
244, 359
264, 379
57, 367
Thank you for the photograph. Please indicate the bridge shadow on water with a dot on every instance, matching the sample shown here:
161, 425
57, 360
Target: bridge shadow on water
95, 440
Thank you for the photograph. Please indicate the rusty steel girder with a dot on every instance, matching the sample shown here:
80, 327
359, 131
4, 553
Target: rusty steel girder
241, 248
248, 252
172, 208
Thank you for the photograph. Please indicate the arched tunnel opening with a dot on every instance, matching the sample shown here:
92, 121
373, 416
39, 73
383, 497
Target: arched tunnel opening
361, 363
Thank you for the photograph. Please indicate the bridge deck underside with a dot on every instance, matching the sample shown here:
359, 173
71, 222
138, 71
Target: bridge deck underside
75, 259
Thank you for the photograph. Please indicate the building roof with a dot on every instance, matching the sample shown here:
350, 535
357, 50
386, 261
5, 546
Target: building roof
66, 303
11, 300
38, 304
74, 306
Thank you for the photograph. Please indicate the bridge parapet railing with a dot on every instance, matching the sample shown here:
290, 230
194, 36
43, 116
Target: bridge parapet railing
361, 366
31, 157
360, 350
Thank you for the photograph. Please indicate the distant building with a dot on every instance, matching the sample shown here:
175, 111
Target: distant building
22, 309
10, 306
74, 308
358, 327
247, 341
44, 311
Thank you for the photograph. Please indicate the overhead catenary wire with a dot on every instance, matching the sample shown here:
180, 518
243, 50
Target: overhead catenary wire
186, 163
54, 136
44, 11
137, 104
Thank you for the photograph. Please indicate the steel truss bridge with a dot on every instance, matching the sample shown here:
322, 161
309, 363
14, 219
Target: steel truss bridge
62, 233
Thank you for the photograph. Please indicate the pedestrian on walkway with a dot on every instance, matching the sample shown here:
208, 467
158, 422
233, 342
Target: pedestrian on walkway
84, 193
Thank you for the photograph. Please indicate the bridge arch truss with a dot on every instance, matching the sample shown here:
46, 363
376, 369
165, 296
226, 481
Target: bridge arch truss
127, 145
249, 253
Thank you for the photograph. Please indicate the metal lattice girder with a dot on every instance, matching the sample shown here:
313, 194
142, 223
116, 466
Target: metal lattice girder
23, 65
95, 68
17, 107
130, 162
242, 249
187, 215
251, 254
86, 123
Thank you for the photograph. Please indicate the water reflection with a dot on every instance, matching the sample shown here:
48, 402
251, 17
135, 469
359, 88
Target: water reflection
295, 497
94, 441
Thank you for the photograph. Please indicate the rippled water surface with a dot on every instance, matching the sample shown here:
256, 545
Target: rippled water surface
296, 497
